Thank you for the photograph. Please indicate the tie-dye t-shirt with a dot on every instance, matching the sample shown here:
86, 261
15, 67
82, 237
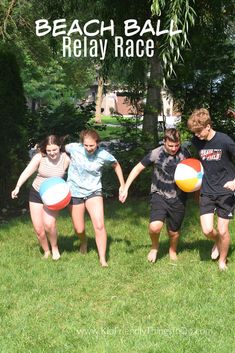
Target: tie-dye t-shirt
164, 166
85, 170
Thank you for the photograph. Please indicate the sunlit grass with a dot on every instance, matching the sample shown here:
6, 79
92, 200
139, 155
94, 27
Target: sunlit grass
107, 119
74, 305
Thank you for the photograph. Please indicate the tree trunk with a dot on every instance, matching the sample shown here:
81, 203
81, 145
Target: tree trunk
99, 97
154, 100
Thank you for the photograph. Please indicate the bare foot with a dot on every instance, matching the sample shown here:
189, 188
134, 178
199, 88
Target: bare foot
103, 263
215, 252
83, 248
47, 254
173, 255
152, 255
55, 254
223, 266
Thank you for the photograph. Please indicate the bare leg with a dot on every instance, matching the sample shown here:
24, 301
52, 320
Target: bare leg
174, 238
49, 220
154, 232
215, 252
207, 224
77, 214
224, 235
96, 210
36, 212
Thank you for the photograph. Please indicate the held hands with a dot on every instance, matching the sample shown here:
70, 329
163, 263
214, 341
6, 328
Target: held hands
230, 185
123, 192
15, 192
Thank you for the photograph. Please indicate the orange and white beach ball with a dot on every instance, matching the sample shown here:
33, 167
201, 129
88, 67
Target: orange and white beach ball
188, 175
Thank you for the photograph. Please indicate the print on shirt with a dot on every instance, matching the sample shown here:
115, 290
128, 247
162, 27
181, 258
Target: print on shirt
211, 155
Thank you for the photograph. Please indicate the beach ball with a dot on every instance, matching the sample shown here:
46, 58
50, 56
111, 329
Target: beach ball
188, 175
55, 193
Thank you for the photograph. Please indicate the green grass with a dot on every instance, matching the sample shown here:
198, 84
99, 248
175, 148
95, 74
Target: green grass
107, 119
74, 305
111, 132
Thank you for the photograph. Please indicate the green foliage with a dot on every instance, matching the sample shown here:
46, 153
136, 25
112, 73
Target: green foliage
183, 15
13, 133
129, 147
64, 120
48, 78
75, 306
207, 77
56, 80
127, 159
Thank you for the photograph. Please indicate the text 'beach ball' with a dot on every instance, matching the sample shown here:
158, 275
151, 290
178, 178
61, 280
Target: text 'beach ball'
55, 193
188, 175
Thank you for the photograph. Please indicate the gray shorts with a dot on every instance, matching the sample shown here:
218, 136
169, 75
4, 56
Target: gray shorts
80, 200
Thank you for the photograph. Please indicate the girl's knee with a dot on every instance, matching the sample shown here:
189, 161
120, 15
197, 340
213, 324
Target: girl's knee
99, 226
40, 232
39, 228
50, 227
79, 230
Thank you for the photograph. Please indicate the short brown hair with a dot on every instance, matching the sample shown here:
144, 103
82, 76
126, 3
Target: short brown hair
198, 120
91, 133
172, 135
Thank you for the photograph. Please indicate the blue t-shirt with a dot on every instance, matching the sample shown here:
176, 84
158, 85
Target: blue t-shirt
85, 170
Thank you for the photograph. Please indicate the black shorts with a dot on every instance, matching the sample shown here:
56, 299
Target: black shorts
79, 200
223, 205
171, 210
34, 196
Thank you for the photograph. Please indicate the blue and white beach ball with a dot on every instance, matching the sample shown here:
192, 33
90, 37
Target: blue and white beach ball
55, 193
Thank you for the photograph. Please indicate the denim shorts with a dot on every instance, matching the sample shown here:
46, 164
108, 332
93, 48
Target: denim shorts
80, 200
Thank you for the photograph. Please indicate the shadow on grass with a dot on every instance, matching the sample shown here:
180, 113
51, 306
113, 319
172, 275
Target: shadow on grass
71, 243
202, 246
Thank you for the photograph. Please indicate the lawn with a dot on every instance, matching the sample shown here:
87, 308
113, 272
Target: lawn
108, 119
74, 305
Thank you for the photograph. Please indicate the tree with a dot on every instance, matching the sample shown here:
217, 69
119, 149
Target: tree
13, 133
167, 48
206, 79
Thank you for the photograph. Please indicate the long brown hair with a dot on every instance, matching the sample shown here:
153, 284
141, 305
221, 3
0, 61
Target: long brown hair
51, 140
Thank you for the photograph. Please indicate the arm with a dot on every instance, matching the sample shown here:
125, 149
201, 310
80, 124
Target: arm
66, 162
132, 176
230, 185
27, 172
118, 170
